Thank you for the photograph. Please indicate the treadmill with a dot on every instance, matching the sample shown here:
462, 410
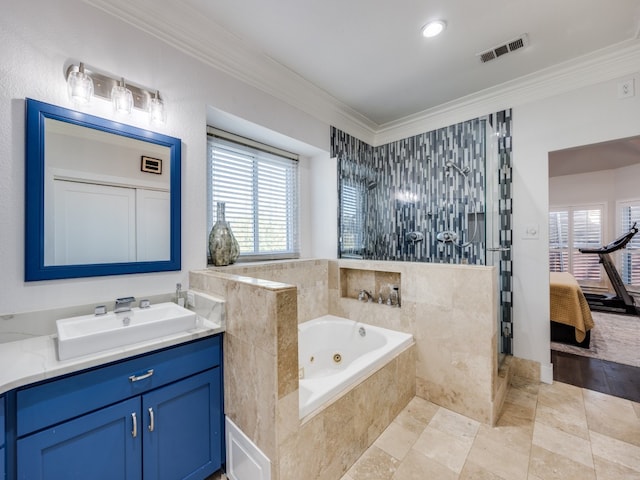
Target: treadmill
621, 302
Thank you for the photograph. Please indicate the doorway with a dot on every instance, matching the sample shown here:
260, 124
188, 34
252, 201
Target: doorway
593, 197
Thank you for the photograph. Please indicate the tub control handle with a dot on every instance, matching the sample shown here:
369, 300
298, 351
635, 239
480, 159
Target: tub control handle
134, 420
137, 378
152, 421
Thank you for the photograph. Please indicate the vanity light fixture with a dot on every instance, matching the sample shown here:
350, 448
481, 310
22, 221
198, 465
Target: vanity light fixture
79, 86
122, 99
434, 28
84, 82
156, 110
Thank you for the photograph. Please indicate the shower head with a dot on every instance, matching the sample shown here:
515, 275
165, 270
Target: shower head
449, 165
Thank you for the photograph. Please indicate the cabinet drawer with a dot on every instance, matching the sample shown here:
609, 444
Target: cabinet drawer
61, 399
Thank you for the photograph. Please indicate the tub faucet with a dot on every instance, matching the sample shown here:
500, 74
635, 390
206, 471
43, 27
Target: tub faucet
123, 304
364, 295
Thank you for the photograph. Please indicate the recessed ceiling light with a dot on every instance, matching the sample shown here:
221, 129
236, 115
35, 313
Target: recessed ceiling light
434, 28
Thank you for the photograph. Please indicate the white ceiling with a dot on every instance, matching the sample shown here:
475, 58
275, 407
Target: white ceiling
369, 55
595, 157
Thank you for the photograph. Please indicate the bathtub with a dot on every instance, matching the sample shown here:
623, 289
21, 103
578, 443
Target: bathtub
335, 354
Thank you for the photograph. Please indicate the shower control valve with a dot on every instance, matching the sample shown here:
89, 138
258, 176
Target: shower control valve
415, 237
447, 236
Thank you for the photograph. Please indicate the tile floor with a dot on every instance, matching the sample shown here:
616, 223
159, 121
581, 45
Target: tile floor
545, 432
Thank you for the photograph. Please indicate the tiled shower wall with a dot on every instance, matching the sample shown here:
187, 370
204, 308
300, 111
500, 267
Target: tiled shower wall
430, 183
502, 125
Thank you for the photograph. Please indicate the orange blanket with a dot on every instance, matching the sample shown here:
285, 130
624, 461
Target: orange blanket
568, 304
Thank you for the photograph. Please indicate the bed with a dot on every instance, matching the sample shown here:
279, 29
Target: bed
571, 319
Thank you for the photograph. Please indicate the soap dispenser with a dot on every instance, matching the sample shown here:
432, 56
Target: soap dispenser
180, 296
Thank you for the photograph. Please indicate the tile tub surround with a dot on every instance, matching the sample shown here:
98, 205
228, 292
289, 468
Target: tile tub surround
261, 383
451, 311
309, 276
328, 443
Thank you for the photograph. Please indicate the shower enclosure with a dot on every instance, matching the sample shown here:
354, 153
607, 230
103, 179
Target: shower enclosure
442, 196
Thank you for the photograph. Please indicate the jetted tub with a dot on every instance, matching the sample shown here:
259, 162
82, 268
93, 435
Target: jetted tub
335, 354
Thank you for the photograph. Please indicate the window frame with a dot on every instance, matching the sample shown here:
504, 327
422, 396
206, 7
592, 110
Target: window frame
268, 155
631, 247
571, 250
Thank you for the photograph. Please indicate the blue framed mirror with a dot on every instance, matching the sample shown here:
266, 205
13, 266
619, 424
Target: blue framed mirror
102, 197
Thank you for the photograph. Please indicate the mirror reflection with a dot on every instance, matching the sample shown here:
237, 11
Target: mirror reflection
107, 197
102, 198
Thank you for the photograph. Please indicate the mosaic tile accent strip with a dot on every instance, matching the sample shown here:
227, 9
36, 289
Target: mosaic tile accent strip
503, 127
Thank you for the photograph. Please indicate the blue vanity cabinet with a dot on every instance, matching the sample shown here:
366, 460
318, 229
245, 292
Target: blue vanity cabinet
163, 422
182, 436
102, 445
2, 440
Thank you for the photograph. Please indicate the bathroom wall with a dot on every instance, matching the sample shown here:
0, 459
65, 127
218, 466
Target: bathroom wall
579, 116
32, 62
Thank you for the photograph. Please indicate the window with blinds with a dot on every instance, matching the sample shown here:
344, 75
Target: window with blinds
570, 229
559, 241
259, 186
351, 219
629, 213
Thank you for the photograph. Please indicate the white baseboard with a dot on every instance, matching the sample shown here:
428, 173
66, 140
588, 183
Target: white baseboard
245, 461
546, 373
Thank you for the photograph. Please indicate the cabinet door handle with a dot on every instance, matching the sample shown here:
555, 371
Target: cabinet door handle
137, 378
152, 420
134, 432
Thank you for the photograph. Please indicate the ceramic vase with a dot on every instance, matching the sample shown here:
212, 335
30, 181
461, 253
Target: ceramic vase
223, 246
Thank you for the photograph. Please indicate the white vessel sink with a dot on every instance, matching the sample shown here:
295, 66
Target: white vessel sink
92, 333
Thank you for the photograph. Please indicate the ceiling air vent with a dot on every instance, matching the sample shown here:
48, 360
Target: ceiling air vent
507, 47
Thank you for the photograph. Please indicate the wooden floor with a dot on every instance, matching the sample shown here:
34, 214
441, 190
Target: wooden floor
599, 375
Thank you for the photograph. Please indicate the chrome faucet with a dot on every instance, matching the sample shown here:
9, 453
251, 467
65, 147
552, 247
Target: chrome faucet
123, 304
364, 295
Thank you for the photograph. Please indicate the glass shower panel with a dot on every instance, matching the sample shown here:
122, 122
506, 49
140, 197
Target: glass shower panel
498, 226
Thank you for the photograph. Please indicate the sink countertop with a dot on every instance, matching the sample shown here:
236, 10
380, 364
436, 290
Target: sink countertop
35, 359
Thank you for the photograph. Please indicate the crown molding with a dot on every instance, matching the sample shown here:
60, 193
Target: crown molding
600, 66
215, 46
210, 43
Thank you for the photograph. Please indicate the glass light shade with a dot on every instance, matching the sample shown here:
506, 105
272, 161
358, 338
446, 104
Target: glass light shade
156, 111
79, 87
122, 99
434, 28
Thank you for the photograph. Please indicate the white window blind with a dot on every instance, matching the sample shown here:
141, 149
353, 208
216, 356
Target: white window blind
260, 192
570, 229
629, 213
587, 233
559, 241
351, 219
